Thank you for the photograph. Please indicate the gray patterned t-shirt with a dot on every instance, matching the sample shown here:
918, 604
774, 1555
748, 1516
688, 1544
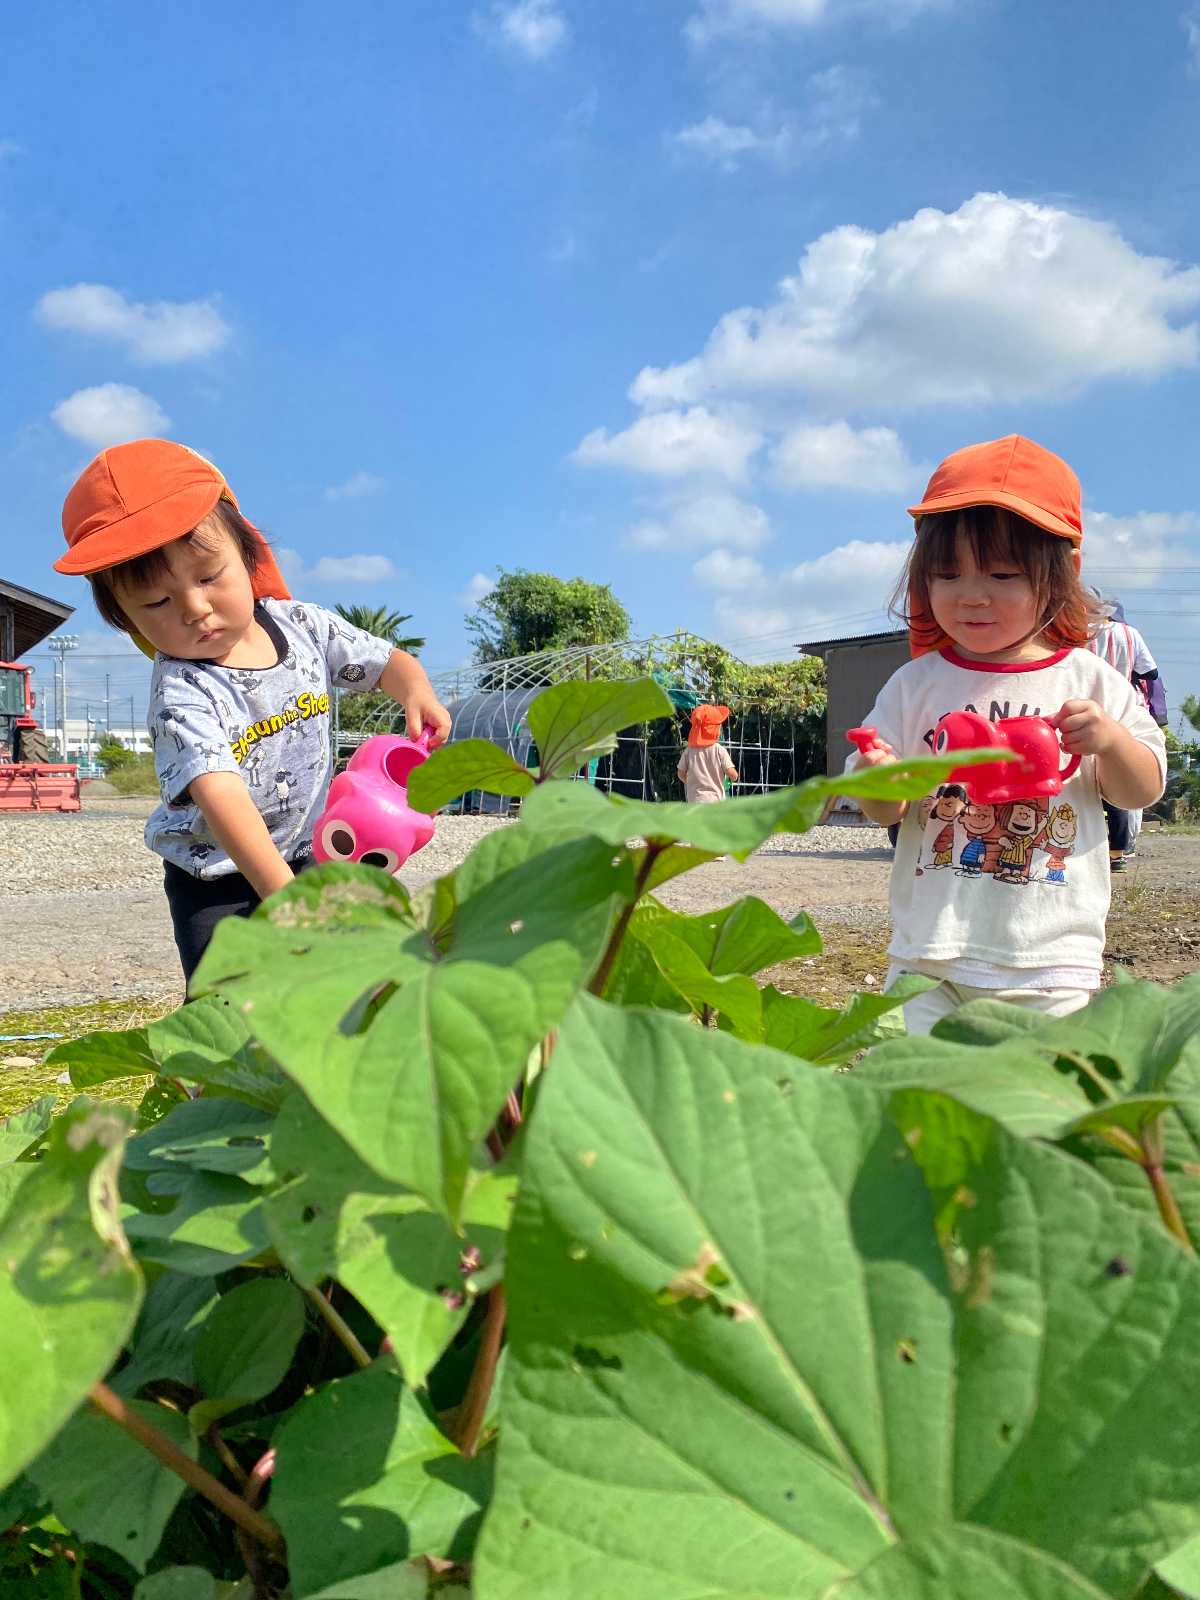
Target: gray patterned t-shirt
270, 724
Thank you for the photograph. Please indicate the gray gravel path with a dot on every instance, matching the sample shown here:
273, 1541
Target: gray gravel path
83, 917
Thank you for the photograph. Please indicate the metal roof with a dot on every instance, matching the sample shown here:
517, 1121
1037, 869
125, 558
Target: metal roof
819, 646
33, 617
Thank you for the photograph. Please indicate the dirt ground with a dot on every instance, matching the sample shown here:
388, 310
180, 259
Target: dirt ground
92, 925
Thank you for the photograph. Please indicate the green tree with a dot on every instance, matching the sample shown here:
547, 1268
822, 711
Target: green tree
531, 611
384, 624
113, 755
1190, 707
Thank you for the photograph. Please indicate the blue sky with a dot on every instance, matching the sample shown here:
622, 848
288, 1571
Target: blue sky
685, 296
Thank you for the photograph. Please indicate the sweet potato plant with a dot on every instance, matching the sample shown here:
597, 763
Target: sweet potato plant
511, 1239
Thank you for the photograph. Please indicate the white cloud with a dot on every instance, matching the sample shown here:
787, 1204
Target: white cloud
1000, 300
335, 570
832, 117
1190, 23
150, 333
1122, 554
696, 519
358, 486
674, 444
110, 413
835, 456
534, 29
10, 147
479, 586
720, 18
846, 589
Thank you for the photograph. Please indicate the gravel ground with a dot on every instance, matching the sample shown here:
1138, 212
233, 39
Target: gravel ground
84, 917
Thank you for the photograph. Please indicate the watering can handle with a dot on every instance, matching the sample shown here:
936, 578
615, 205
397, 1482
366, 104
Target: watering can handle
423, 738
1070, 769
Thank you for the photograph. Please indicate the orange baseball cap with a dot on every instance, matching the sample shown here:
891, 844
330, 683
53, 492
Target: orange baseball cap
134, 498
1012, 472
706, 725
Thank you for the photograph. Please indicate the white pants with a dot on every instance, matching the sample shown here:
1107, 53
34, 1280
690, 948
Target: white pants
923, 1010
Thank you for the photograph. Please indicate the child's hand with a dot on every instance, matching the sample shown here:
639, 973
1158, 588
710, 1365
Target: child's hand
423, 709
876, 754
1086, 729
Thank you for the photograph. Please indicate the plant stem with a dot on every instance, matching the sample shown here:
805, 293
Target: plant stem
193, 1474
1088, 1067
339, 1327
601, 975
1168, 1206
228, 1460
479, 1389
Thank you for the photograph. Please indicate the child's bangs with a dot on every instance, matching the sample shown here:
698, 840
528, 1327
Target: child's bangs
988, 530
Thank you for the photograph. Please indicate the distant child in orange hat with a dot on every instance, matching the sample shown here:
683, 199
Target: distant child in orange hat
704, 764
243, 675
997, 618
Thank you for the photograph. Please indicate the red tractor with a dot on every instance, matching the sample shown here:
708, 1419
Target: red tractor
29, 779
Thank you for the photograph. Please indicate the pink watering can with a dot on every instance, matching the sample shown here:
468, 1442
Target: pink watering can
1037, 771
367, 816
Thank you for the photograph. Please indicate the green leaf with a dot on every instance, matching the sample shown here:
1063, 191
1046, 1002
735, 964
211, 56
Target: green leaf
573, 721
467, 764
245, 1347
164, 1342
738, 999
364, 1481
829, 1036
338, 894
208, 1135
209, 1042
408, 1580
966, 1563
69, 1290
403, 1263
730, 1318
1181, 1569
109, 1489
178, 1583
99, 1057
1005, 1081
215, 1224
24, 1130
731, 827
743, 937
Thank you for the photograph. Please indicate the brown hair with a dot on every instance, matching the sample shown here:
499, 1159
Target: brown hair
1066, 616
152, 566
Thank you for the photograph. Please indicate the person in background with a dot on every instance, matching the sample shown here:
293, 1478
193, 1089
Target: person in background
705, 764
1123, 647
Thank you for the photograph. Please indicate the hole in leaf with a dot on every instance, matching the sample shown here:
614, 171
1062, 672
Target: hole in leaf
308, 1214
1006, 1431
906, 1349
246, 1141
1118, 1267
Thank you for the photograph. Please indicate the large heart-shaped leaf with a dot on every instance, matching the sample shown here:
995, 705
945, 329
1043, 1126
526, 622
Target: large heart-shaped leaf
245, 1346
741, 1365
364, 1481
69, 1289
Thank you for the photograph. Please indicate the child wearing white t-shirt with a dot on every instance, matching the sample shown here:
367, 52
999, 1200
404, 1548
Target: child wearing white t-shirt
998, 624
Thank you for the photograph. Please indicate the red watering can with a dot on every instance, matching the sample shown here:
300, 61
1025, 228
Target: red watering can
1034, 741
1038, 769
367, 817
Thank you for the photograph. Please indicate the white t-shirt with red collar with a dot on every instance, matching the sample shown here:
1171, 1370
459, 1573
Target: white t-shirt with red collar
1012, 896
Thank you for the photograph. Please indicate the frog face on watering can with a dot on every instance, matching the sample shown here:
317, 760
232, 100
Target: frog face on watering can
367, 817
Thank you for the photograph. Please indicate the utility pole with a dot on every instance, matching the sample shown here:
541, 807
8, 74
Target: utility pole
107, 714
59, 645
132, 727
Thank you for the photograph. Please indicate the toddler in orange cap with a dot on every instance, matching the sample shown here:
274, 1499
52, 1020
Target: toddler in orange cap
704, 763
243, 675
998, 623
